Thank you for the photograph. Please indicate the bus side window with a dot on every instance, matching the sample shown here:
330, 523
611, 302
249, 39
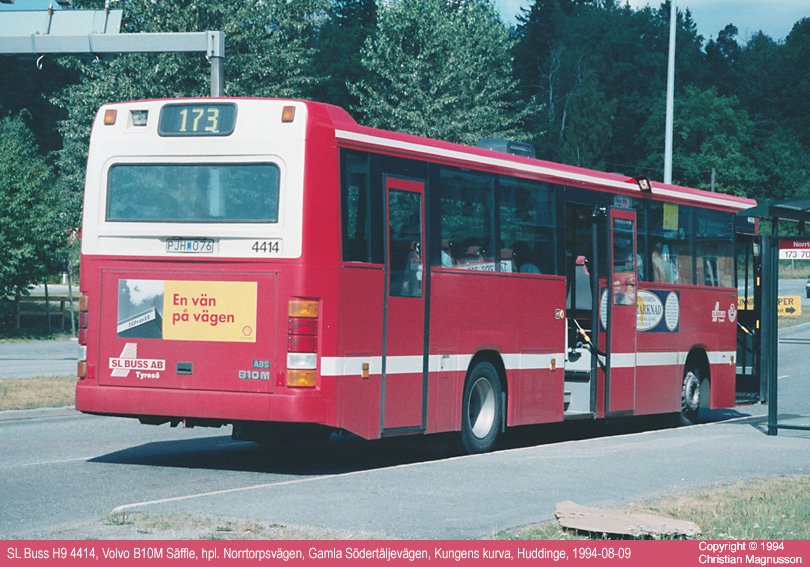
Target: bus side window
465, 218
355, 207
527, 223
714, 239
405, 243
671, 243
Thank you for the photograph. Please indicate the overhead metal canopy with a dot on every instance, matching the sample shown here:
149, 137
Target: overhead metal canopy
797, 210
59, 22
95, 32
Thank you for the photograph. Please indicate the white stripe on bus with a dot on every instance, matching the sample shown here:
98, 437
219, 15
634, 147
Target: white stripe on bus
412, 364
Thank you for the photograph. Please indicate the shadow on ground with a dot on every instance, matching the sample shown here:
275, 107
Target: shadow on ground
343, 453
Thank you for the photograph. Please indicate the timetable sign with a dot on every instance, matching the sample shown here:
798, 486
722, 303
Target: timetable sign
794, 249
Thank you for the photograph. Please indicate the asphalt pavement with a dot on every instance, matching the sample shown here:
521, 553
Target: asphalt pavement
477, 496
30, 359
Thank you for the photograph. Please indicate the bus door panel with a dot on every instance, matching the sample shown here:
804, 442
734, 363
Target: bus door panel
360, 321
619, 311
403, 366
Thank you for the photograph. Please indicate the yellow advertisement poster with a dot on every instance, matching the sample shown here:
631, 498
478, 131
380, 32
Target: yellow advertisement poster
209, 311
670, 216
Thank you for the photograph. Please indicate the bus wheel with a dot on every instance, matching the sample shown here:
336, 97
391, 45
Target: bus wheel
481, 409
690, 396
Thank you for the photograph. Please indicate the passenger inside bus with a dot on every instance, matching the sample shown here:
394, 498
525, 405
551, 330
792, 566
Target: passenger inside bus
447, 257
664, 270
470, 253
522, 258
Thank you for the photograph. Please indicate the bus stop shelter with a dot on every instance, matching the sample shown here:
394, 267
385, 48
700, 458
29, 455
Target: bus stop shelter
783, 245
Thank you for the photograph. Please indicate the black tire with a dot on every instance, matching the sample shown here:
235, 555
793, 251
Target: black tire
481, 411
691, 395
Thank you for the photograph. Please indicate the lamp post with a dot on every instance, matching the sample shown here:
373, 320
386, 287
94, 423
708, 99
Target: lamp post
673, 21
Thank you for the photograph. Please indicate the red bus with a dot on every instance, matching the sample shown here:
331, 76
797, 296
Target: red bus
273, 265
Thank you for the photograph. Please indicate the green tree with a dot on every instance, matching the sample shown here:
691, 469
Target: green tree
587, 139
784, 166
723, 59
710, 132
268, 51
598, 65
29, 85
441, 69
793, 81
339, 43
33, 238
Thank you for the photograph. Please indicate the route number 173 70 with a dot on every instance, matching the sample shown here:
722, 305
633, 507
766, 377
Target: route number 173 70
794, 254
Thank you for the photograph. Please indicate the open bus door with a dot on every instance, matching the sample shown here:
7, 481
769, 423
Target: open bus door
618, 313
750, 388
601, 307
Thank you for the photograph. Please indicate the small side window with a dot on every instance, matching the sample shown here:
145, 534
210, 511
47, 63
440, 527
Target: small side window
356, 207
466, 219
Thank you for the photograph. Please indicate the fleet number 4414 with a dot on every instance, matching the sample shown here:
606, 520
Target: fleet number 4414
267, 247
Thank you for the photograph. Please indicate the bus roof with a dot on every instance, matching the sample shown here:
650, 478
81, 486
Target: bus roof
351, 134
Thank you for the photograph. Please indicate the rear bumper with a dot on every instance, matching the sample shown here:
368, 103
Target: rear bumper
214, 405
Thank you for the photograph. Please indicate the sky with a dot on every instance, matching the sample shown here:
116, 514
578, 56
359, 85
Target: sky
773, 17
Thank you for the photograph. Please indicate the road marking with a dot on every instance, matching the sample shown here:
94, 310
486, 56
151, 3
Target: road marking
125, 507
228, 491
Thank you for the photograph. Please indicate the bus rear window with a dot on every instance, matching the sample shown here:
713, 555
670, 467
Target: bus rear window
198, 192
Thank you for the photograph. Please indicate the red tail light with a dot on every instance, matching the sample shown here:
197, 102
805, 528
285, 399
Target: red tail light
84, 320
302, 343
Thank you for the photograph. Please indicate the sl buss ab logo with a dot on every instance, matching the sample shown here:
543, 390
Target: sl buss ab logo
128, 361
719, 316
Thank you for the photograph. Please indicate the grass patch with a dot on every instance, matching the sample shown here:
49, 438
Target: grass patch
767, 509
118, 519
43, 392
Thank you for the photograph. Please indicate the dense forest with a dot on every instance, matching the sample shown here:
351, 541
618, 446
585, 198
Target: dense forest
582, 80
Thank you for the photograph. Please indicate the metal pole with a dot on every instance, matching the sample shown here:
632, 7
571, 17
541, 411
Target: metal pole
770, 334
70, 299
673, 21
217, 80
47, 306
216, 55
595, 305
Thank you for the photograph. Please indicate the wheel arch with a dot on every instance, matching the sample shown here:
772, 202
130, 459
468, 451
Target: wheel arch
483, 403
699, 359
494, 358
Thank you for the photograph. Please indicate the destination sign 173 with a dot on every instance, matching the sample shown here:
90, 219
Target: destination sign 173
794, 249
